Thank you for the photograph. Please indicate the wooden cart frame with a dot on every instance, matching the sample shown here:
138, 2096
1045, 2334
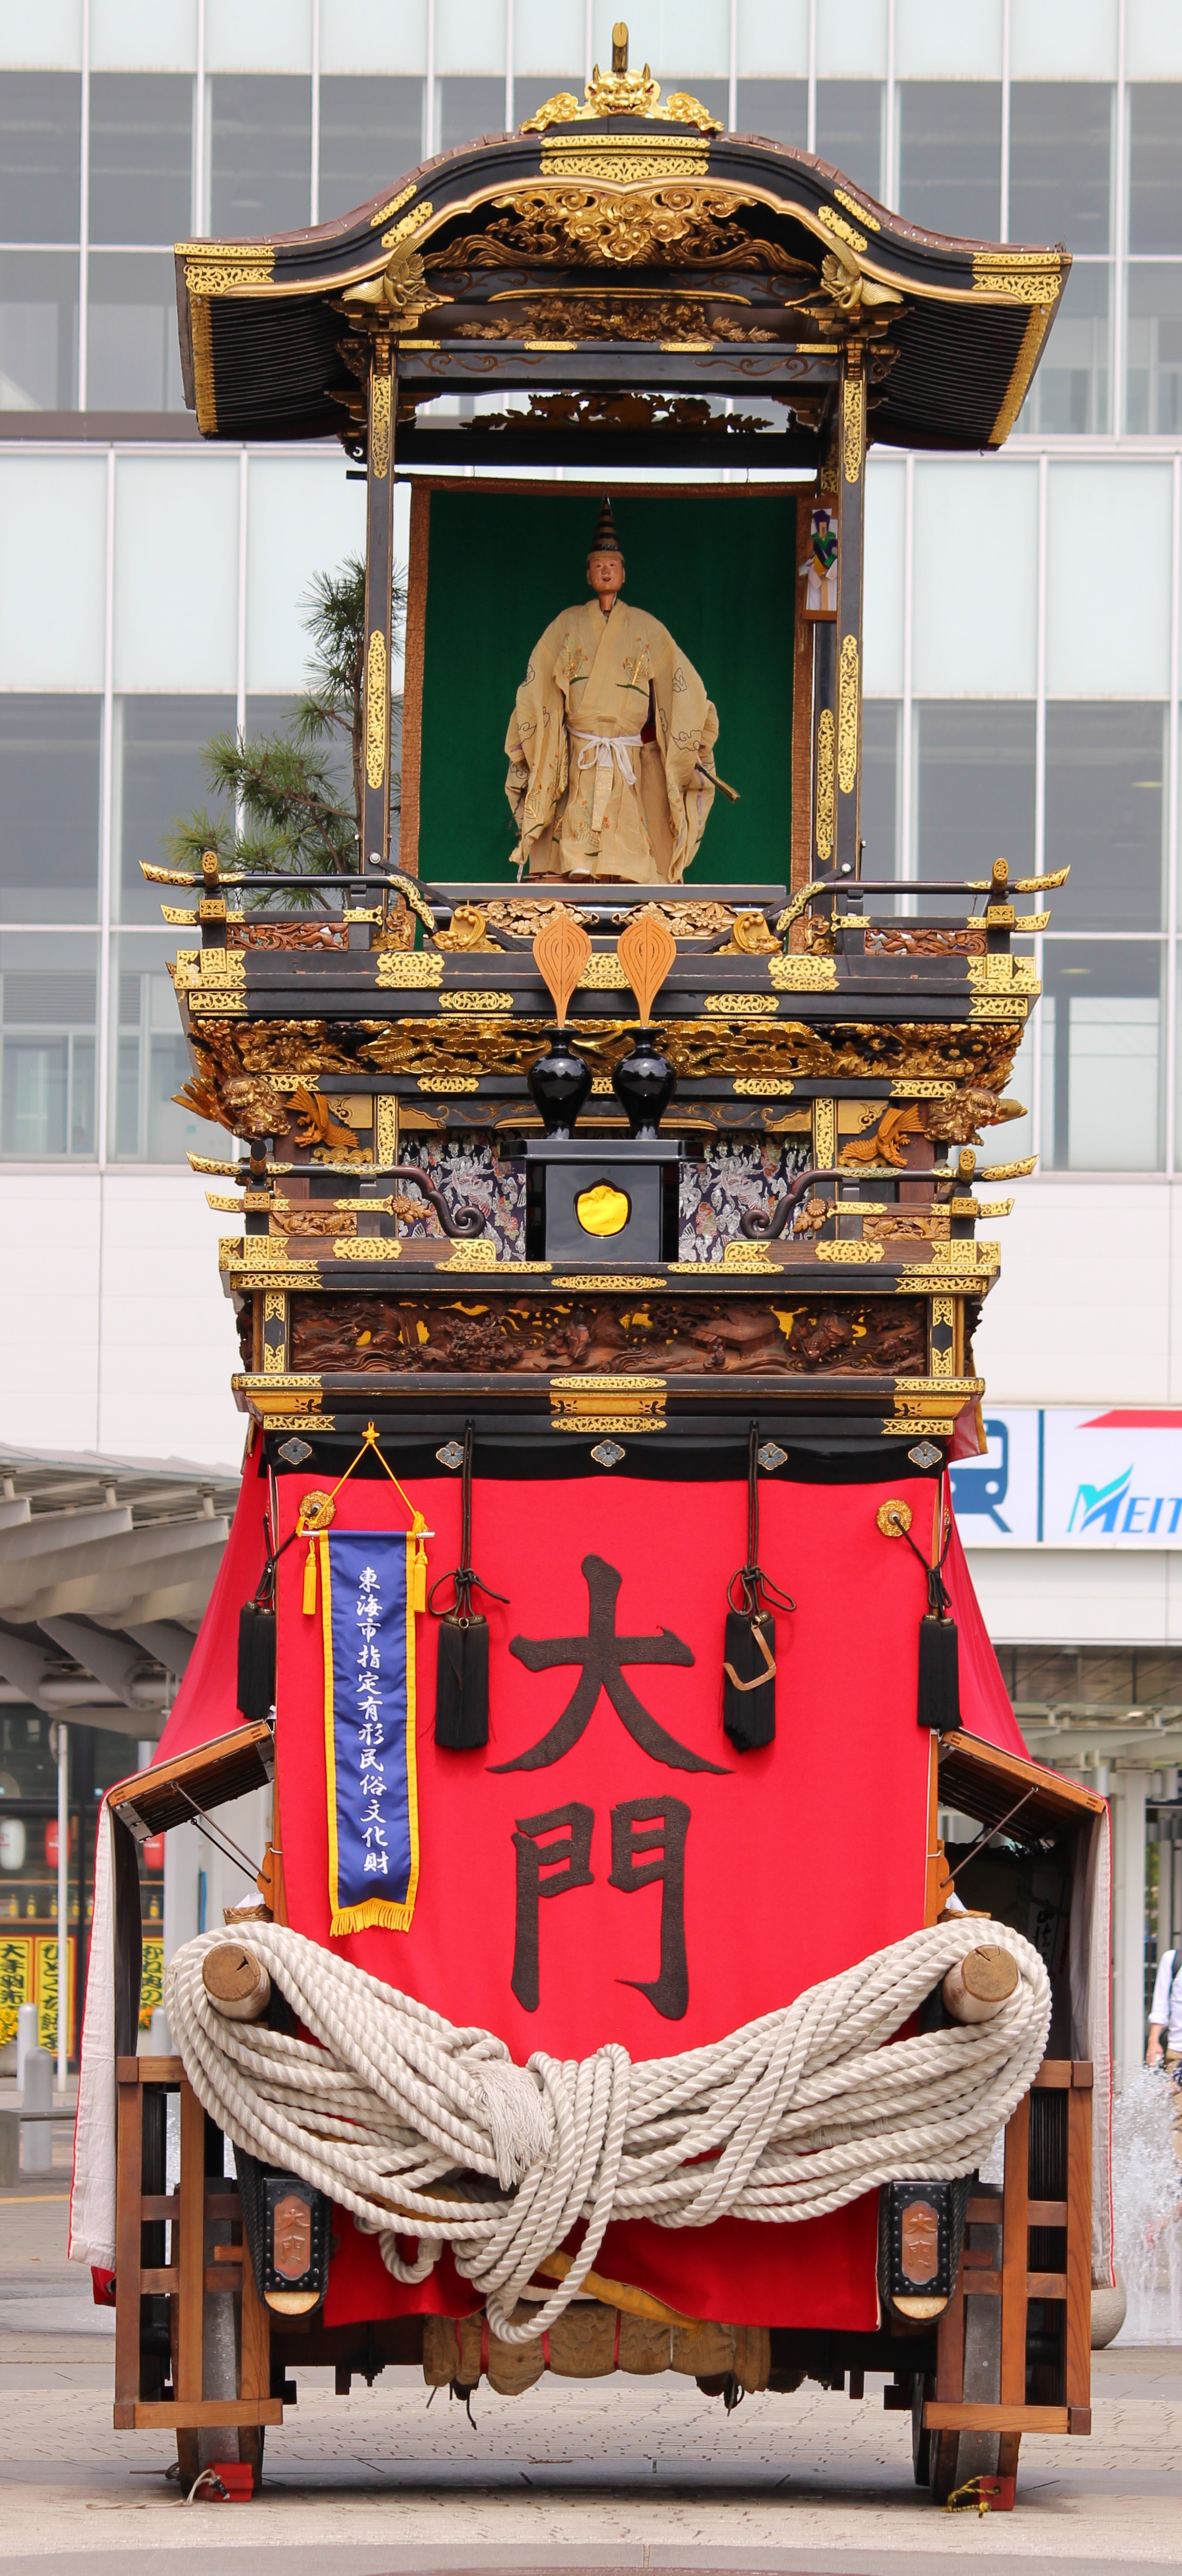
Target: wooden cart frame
1027, 2247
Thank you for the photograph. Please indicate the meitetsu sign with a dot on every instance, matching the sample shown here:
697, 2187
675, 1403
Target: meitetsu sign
1057, 1478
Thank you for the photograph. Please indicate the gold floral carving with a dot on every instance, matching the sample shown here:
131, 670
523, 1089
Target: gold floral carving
853, 418
989, 1006
394, 206
1018, 973
747, 1256
448, 1082
222, 268
667, 227
856, 208
742, 1006
835, 223
401, 968
466, 1001
386, 1128
1031, 276
368, 1247
377, 711
944, 1313
275, 1312
824, 1134
671, 157
626, 1419
409, 226
379, 433
854, 1252
602, 974
826, 739
847, 715
761, 1087
803, 974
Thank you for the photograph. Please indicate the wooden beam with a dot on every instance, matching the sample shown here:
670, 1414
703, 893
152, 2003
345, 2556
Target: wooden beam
158, 2415
939, 2418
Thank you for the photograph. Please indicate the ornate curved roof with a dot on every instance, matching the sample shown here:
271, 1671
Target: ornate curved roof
631, 270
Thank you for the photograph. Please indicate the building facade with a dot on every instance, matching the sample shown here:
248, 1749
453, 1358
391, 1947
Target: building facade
1022, 673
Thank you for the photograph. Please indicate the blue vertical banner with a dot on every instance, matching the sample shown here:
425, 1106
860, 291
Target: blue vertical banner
368, 1592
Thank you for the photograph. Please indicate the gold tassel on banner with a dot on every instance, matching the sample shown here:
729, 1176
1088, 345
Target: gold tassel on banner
416, 1588
312, 1520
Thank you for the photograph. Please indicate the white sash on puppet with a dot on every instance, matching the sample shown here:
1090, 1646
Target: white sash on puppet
605, 753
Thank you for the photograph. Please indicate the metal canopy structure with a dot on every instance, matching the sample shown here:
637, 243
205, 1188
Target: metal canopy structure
680, 292
106, 1567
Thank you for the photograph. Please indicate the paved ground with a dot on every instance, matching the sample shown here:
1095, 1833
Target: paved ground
606, 2474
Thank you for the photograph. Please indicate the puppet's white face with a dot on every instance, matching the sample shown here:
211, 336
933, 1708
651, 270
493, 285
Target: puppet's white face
605, 574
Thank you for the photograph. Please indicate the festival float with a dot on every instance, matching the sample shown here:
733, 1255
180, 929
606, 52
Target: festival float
609, 1162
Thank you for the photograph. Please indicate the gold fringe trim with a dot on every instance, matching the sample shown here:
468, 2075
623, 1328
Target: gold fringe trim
377, 1912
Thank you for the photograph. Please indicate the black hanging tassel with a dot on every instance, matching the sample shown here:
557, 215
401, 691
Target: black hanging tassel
256, 1639
939, 1647
461, 1688
939, 1680
749, 1665
256, 1660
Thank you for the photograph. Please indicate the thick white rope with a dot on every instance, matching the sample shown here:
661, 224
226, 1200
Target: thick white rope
426, 2131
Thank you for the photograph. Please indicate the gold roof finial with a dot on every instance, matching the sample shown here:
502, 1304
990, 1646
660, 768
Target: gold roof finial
621, 93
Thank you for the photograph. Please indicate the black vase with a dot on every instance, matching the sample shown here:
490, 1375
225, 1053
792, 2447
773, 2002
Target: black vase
560, 1082
644, 1084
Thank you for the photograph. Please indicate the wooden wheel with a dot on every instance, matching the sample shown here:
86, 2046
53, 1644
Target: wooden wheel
945, 2464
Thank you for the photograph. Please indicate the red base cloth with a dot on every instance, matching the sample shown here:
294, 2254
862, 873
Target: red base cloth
800, 1860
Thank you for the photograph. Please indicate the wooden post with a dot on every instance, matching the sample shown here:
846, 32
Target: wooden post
379, 568
1015, 2256
851, 457
1078, 2353
128, 2240
191, 2236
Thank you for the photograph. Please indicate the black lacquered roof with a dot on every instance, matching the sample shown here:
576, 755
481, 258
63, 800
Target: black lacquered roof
780, 257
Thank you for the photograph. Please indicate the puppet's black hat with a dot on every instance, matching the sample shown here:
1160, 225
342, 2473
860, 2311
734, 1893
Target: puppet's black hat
605, 541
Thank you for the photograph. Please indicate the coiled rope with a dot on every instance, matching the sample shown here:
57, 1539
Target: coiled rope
426, 2131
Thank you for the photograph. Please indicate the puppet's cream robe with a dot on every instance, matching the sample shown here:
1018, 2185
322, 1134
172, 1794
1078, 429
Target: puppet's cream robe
588, 797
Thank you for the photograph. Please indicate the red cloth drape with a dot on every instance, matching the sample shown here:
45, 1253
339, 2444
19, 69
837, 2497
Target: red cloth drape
207, 1701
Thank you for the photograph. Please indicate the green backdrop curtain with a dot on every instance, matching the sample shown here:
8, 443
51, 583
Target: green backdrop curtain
717, 568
